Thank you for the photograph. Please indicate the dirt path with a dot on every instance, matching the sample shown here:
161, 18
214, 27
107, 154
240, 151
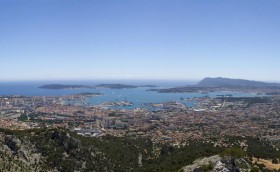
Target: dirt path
268, 163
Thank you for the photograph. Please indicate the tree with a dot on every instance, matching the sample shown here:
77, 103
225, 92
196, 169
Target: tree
208, 167
233, 154
275, 161
255, 169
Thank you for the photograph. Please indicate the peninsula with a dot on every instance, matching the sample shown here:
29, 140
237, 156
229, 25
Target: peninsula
225, 84
221, 82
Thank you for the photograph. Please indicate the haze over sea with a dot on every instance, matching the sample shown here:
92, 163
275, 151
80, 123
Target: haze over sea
139, 96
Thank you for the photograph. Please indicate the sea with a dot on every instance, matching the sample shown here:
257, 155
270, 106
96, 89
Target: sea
140, 97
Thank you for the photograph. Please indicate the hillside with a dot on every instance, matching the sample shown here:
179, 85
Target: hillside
62, 150
223, 82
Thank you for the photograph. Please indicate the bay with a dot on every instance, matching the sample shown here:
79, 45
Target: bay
138, 96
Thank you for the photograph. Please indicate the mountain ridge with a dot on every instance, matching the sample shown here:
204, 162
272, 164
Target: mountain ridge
220, 81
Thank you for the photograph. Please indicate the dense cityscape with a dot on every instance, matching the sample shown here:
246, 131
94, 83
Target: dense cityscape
139, 86
211, 120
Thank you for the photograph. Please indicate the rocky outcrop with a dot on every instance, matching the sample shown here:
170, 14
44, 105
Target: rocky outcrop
217, 164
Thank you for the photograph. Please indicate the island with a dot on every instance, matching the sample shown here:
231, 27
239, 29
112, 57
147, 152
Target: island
61, 86
115, 86
121, 86
110, 86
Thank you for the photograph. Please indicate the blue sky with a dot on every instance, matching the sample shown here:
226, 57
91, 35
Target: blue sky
139, 39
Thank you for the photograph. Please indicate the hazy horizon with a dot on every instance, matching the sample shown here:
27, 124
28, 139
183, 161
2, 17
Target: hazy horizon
139, 40
121, 81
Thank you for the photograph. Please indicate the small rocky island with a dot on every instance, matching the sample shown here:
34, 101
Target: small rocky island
115, 86
121, 86
110, 86
61, 86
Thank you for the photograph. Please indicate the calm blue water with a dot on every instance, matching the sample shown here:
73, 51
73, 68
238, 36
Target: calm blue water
139, 96
31, 88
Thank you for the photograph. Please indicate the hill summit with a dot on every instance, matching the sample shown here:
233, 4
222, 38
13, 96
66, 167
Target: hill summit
222, 82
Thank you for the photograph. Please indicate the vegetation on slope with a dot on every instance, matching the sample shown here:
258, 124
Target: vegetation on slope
62, 150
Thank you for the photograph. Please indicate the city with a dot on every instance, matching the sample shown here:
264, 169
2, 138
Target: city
211, 120
139, 86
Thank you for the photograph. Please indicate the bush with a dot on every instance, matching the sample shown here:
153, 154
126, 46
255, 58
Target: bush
255, 169
275, 161
208, 167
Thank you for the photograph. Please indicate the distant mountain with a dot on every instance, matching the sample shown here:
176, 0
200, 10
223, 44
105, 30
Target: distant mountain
60, 86
224, 82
